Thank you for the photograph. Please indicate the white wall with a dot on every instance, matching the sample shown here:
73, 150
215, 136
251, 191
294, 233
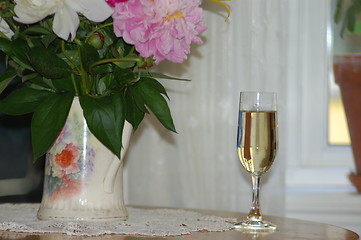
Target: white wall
272, 45
312, 162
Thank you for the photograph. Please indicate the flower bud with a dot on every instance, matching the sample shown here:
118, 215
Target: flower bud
145, 62
141, 63
96, 40
149, 61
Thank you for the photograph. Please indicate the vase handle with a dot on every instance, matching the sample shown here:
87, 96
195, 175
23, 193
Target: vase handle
109, 178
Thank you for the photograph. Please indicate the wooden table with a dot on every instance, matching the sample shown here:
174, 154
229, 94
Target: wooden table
288, 229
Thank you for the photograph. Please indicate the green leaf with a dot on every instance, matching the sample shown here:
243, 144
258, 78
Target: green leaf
338, 12
16, 49
28, 77
151, 82
138, 98
133, 114
72, 54
121, 48
101, 86
88, 54
48, 120
105, 117
41, 83
103, 69
104, 85
48, 39
19, 48
109, 36
66, 84
127, 64
5, 46
357, 28
6, 78
37, 29
156, 103
124, 76
160, 75
48, 64
351, 19
22, 101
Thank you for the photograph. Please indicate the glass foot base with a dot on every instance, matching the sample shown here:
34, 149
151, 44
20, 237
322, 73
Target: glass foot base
251, 226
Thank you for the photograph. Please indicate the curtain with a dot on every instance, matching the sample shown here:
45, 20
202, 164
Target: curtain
198, 167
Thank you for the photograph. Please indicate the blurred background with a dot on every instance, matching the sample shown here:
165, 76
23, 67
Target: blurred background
275, 45
20, 179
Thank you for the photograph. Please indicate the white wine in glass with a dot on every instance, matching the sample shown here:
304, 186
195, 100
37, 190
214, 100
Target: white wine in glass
257, 142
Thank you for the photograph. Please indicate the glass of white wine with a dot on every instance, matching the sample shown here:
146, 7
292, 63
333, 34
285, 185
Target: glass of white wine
257, 142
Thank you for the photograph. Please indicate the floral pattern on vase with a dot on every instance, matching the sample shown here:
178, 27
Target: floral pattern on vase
83, 179
67, 166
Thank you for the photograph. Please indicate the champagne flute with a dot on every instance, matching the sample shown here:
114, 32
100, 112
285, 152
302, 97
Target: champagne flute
257, 143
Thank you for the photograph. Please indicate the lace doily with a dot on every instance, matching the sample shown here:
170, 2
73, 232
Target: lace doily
147, 222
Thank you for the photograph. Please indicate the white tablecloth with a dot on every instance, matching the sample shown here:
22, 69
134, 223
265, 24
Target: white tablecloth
147, 222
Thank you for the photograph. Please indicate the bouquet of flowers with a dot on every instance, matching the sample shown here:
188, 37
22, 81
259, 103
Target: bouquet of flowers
98, 50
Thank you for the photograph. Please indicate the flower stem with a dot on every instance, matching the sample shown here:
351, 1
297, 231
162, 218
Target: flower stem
112, 60
74, 84
97, 29
64, 51
84, 78
66, 55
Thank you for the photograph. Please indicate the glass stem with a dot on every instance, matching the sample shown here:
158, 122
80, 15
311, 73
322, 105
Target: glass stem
255, 212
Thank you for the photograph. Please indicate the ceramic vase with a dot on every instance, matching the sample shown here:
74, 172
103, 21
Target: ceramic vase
83, 179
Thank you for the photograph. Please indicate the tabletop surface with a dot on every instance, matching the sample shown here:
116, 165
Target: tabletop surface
287, 229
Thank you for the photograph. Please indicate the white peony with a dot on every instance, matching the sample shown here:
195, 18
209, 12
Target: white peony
5, 29
66, 19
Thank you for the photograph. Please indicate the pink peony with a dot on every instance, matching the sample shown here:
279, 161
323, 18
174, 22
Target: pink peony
113, 2
163, 29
